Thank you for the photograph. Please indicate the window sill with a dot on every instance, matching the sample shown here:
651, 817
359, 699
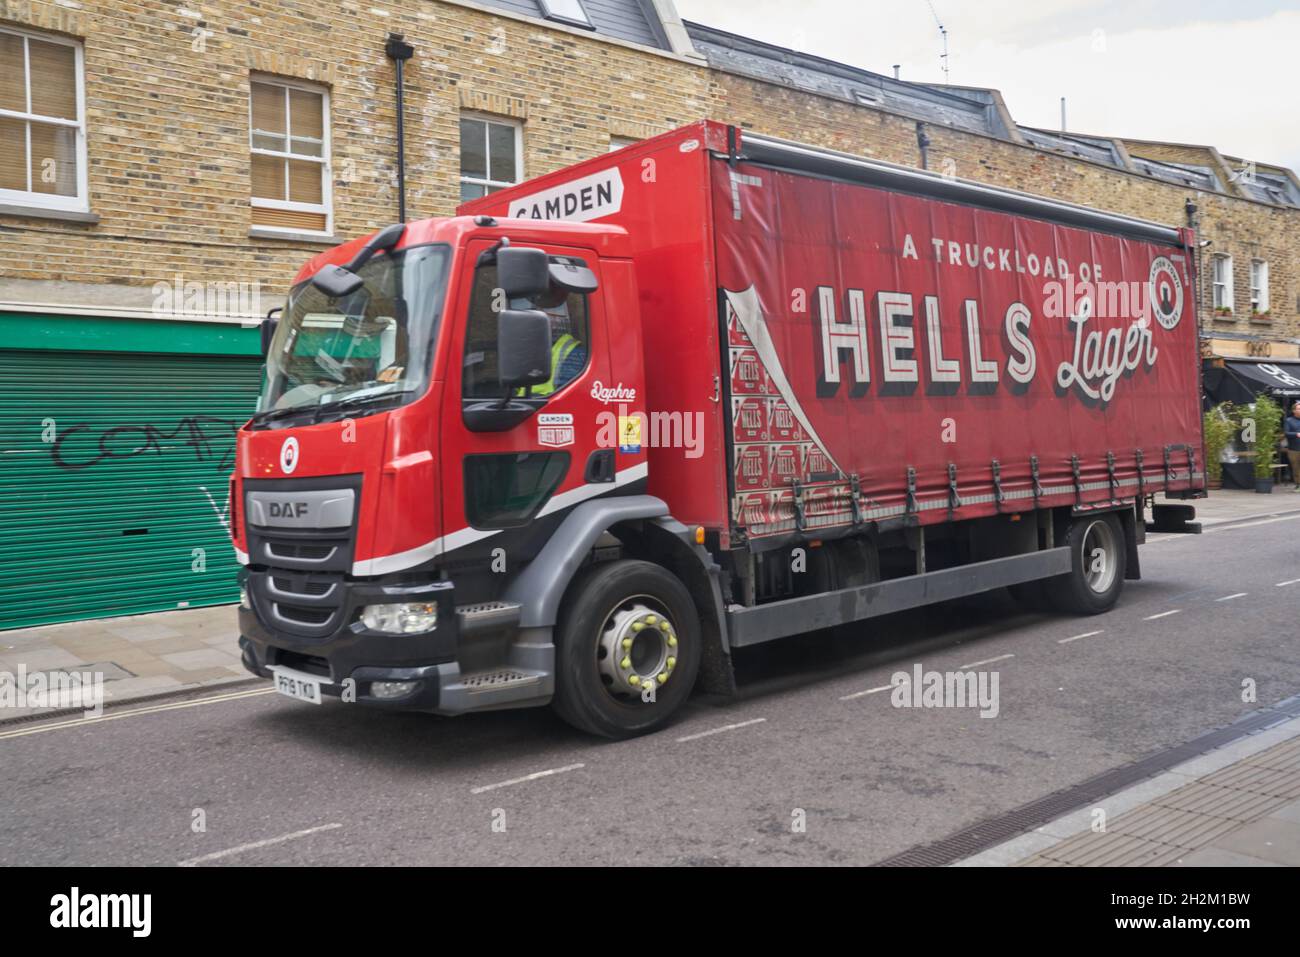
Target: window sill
46, 212
319, 239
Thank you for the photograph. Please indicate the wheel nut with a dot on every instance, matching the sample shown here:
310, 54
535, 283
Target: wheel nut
650, 619
672, 662
627, 644
663, 676
625, 663
634, 680
637, 626
664, 626
672, 641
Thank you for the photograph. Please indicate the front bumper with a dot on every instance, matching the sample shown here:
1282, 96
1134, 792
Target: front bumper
511, 668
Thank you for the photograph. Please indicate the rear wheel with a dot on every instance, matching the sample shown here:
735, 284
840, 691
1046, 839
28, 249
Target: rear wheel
628, 649
1097, 567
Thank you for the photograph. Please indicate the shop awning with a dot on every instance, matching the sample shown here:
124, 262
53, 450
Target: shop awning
1240, 380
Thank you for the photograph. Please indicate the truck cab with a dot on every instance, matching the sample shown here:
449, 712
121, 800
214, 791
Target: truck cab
438, 400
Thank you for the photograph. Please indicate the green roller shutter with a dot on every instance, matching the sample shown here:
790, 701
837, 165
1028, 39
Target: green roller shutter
114, 471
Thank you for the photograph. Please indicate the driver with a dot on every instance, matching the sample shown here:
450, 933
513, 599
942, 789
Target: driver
568, 353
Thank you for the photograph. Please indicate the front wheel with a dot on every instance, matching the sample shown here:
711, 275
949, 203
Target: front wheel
1097, 566
628, 649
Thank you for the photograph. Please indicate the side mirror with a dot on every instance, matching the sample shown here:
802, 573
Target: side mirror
337, 282
572, 277
522, 272
267, 329
523, 347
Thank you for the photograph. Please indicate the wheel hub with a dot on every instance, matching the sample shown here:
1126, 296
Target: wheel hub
1099, 556
638, 647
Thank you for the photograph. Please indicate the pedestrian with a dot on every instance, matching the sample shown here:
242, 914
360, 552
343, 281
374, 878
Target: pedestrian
1292, 429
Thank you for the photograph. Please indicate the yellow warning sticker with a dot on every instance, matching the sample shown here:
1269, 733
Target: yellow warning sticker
629, 433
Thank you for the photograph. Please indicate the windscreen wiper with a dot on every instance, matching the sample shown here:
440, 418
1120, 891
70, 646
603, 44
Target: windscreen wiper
271, 415
358, 401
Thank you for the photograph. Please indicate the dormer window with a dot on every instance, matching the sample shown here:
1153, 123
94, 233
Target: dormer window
566, 11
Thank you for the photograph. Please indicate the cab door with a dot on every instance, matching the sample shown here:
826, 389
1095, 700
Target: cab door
514, 461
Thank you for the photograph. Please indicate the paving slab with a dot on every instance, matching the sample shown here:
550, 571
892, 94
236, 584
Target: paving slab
139, 655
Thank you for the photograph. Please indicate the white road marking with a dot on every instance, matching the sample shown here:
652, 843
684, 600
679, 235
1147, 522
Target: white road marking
986, 661
218, 855
1293, 581
1218, 527
725, 727
174, 706
859, 694
1266, 521
1240, 594
527, 777
1163, 614
1086, 634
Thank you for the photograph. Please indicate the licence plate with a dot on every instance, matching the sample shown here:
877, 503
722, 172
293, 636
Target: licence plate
298, 686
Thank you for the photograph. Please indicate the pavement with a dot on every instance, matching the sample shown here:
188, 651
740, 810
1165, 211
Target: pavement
138, 656
808, 764
1238, 806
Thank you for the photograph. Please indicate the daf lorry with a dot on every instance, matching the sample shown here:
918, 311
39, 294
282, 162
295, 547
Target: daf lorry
581, 442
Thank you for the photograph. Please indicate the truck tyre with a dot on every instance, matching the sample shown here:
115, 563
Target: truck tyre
628, 649
1097, 565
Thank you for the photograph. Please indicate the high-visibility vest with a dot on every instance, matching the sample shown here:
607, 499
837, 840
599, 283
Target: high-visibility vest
560, 350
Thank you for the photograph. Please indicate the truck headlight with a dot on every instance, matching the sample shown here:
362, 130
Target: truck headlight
407, 618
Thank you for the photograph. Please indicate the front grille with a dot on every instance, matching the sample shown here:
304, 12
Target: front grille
304, 587
300, 550
314, 617
301, 603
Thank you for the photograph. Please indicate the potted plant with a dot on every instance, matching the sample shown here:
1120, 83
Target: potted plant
1222, 311
1219, 427
1268, 428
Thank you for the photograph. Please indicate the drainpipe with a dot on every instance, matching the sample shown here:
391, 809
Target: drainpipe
399, 51
923, 144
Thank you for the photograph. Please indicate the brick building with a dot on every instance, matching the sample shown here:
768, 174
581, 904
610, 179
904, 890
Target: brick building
166, 167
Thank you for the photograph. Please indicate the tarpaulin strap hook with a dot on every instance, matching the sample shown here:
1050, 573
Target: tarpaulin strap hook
1078, 478
998, 495
855, 497
1191, 463
1033, 472
1110, 472
954, 501
738, 180
1142, 480
911, 490
799, 518
1170, 473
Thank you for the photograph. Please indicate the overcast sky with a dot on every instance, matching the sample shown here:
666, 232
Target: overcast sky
1192, 71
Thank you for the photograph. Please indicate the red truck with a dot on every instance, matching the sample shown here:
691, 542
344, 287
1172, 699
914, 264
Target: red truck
581, 441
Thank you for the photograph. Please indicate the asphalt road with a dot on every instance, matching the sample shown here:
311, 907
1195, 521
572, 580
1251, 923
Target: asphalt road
278, 782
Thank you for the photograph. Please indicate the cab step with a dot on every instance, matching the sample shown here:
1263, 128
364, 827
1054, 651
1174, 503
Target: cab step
487, 616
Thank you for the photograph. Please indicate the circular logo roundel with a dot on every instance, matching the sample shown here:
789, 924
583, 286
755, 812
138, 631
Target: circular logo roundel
289, 455
1165, 289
